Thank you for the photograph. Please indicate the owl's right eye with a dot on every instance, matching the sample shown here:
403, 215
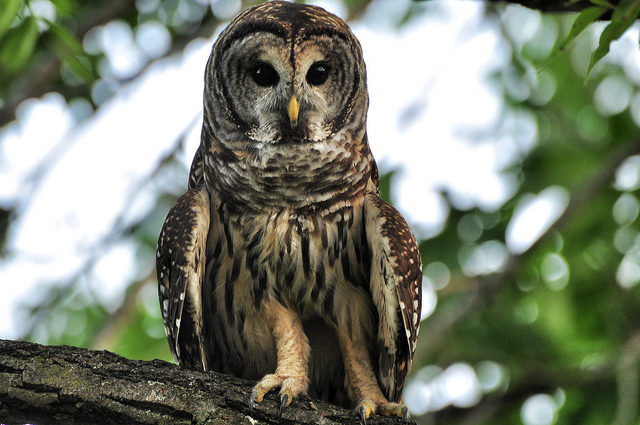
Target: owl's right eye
264, 75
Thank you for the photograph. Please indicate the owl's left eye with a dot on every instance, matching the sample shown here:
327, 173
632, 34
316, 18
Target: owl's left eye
318, 74
264, 75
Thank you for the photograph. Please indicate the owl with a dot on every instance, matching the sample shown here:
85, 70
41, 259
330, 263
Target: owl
282, 263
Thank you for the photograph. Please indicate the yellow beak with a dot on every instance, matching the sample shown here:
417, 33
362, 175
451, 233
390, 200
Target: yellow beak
292, 109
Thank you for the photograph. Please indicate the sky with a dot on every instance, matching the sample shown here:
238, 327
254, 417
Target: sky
430, 96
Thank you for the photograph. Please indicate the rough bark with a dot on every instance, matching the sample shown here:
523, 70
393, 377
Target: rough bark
68, 385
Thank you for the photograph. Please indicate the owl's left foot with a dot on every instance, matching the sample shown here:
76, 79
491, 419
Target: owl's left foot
367, 407
394, 409
289, 388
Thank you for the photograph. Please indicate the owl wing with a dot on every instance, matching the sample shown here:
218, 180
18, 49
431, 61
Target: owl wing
180, 265
196, 173
396, 288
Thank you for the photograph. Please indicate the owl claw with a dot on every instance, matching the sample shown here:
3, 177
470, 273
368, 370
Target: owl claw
255, 397
365, 411
363, 415
285, 400
367, 407
394, 409
289, 389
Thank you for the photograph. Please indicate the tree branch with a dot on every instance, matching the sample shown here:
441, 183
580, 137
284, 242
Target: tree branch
68, 385
553, 5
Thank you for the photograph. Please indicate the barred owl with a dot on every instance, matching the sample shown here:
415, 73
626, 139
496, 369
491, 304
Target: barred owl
282, 263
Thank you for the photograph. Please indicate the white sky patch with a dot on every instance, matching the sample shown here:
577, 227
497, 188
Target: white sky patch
87, 187
42, 124
533, 215
113, 271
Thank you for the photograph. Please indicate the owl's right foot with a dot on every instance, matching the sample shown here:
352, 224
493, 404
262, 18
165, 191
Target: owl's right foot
289, 388
292, 348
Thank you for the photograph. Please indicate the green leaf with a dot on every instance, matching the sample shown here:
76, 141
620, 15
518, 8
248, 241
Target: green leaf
69, 49
64, 36
624, 15
80, 68
8, 10
601, 3
65, 7
18, 45
628, 10
584, 19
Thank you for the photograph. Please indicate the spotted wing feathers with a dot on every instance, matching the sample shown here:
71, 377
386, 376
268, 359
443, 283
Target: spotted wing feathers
180, 265
396, 288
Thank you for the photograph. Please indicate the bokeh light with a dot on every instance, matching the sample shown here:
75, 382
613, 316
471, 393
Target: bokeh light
533, 216
539, 409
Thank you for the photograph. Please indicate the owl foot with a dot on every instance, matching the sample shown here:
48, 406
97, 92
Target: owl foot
394, 409
289, 388
367, 407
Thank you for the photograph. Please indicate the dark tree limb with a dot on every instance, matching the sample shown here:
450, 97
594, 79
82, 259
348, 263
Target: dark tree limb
553, 5
68, 385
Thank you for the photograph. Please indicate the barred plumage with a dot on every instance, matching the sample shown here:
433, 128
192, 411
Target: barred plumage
282, 241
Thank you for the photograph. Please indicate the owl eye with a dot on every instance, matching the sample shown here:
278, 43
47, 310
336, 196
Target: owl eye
264, 75
318, 74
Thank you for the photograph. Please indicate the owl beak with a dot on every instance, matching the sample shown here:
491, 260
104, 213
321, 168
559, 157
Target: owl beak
293, 108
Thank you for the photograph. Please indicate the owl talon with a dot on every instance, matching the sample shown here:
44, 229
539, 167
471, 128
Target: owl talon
255, 398
365, 409
285, 400
394, 409
289, 389
363, 415
257, 395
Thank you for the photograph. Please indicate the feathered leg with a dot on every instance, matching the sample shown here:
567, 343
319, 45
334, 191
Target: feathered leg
292, 347
362, 384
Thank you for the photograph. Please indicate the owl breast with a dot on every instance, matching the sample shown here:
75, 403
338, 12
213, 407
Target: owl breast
315, 263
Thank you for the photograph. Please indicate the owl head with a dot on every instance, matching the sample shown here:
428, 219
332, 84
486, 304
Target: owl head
285, 73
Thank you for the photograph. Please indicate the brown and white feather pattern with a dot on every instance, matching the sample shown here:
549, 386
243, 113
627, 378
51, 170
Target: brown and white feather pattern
181, 261
396, 285
282, 241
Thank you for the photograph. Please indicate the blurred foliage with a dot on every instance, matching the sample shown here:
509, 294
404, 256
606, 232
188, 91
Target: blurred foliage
561, 318
623, 15
563, 315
